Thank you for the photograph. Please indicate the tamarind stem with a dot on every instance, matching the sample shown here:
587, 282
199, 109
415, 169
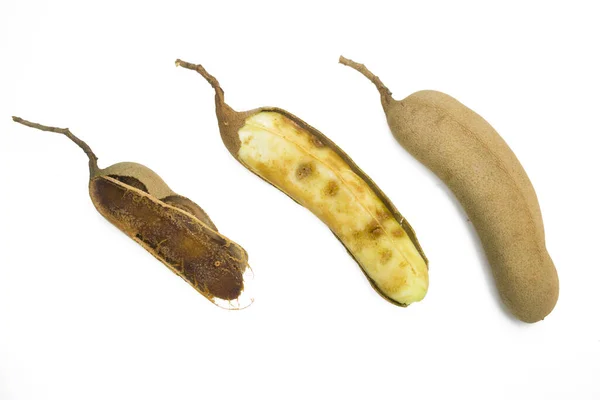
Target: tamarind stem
93, 163
386, 94
220, 94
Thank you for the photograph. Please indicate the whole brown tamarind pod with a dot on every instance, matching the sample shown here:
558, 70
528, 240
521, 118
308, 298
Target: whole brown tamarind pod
169, 226
304, 164
465, 152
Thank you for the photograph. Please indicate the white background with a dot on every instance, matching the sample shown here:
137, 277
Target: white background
85, 313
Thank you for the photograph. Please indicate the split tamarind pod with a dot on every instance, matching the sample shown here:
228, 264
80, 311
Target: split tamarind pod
465, 152
171, 227
308, 167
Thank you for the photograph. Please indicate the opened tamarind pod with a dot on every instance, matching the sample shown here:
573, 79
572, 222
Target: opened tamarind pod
467, 153
304, 164
171, 227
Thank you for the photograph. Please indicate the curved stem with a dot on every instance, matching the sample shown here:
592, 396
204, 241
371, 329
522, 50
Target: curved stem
211, 79
93, 163
383, 90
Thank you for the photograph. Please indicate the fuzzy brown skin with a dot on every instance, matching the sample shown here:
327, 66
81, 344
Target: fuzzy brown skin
465, 152
171, 227
231, 121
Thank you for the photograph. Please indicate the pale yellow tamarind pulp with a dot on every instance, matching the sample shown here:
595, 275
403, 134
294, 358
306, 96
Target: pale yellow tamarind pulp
304, 164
